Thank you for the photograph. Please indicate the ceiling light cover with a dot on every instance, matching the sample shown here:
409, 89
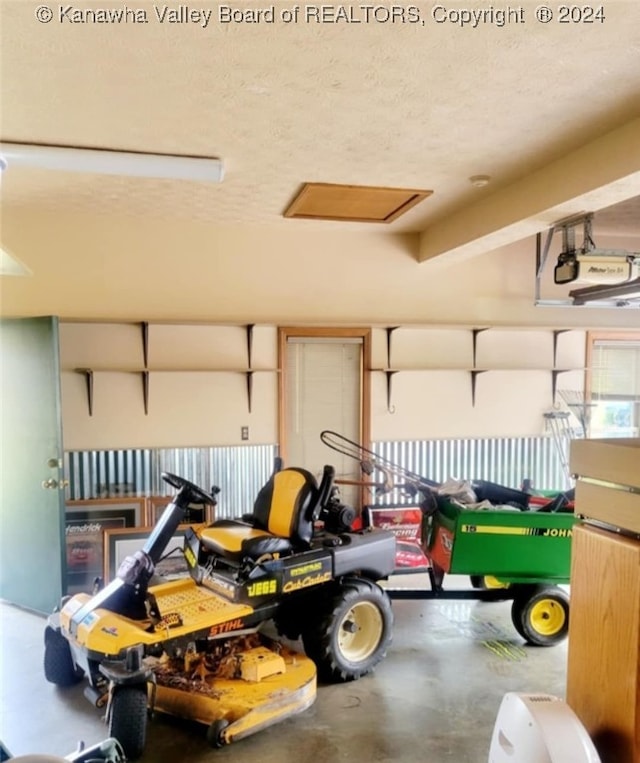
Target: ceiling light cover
107, 162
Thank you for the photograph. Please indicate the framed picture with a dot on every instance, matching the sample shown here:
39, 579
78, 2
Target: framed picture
121, 542
134, 507
196, 513
85, 523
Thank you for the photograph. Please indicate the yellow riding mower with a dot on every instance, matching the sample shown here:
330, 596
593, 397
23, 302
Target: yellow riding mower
195, 647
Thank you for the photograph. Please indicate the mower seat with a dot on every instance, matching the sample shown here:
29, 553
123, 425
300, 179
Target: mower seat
282, 520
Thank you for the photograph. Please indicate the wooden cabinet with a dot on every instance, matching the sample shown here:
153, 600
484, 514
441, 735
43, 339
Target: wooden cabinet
603, 674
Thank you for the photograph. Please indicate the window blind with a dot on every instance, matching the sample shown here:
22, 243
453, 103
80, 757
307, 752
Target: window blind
615, 370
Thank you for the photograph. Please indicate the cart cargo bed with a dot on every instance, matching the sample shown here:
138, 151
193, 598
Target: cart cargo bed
518, 546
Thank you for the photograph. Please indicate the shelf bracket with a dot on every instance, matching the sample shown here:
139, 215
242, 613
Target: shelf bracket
249, 330
389, 330
145, 343
88, 377
555, 372
474, 375
556, 334
474, 336
390, 375
145, 391
249, 375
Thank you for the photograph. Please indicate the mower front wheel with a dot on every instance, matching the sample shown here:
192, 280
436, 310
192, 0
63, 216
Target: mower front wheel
59, 667
215, 733
351, 630
128, 718
540, 614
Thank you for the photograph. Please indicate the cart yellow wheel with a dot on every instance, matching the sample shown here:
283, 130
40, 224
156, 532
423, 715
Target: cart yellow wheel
487, 582
540, 614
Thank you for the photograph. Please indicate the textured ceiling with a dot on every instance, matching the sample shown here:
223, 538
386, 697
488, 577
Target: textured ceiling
418, 105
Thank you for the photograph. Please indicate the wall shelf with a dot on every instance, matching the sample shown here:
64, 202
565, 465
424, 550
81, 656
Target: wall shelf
473, 369
145, 371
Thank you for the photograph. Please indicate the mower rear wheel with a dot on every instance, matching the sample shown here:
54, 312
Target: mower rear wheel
59, 667
128, 718
215, 733
540, 614
350, 630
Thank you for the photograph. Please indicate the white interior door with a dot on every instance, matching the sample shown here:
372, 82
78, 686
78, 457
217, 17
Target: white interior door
324, 390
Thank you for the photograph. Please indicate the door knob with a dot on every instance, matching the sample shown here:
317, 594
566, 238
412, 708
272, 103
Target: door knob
53, 484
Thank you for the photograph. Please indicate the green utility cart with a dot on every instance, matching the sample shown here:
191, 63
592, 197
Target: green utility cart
508, 554
515, 546
512, 545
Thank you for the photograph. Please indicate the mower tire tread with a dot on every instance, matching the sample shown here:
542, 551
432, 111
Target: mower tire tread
128, 718
59, 667
294, 611
349, 631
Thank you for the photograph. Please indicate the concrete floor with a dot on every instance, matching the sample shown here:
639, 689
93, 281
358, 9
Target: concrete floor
434, 698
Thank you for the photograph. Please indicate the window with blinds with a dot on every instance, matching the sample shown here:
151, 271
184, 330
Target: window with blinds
614, 386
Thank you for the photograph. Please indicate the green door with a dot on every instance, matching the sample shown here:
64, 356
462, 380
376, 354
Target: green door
32, 565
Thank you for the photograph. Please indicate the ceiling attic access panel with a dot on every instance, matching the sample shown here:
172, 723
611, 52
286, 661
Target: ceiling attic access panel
353, 203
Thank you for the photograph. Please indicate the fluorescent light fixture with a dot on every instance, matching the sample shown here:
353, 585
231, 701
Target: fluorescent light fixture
107, 162
621, 292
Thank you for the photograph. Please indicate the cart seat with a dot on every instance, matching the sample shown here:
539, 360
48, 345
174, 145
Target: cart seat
282, 520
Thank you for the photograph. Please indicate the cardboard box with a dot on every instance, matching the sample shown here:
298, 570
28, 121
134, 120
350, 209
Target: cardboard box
608, 481
618, 508
615, 461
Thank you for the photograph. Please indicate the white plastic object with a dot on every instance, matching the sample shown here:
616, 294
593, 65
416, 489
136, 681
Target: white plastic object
539, 728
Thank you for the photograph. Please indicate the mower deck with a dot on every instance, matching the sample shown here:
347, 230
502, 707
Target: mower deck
273, 683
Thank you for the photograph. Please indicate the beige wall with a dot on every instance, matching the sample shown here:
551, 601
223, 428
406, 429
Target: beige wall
197, 385
432, 398
109, 268
198, 394
106, 269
